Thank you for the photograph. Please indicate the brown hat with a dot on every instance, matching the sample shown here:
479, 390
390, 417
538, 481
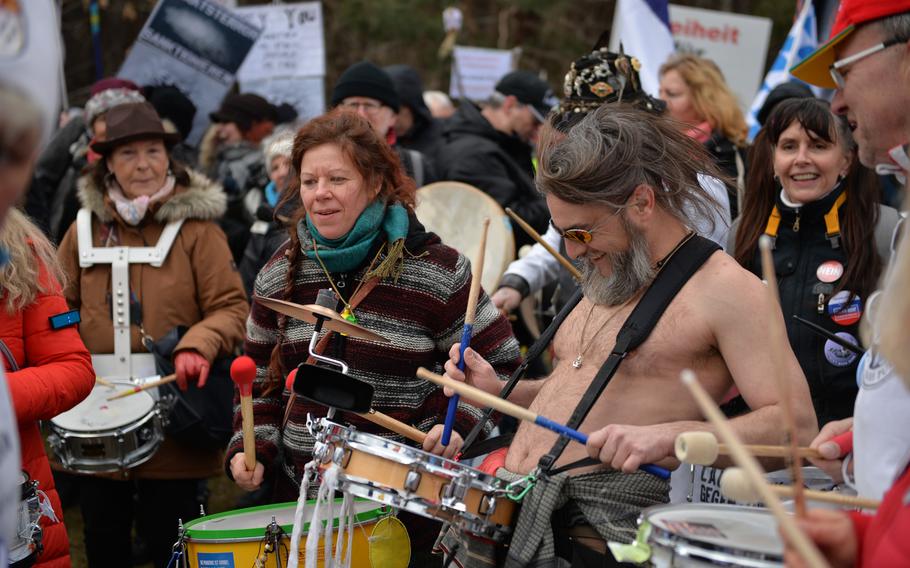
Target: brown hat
133, 121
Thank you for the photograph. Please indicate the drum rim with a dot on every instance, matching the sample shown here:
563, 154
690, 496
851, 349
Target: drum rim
124, 426
490, 482
668, 539
233, 535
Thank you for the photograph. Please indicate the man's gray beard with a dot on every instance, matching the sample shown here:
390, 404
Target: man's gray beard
631, 272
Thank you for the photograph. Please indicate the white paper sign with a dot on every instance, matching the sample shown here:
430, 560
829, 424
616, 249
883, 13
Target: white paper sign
737, 43
196, 45
291, 44
476, 70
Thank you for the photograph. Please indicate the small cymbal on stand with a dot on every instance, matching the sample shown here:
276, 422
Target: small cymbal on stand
312, 312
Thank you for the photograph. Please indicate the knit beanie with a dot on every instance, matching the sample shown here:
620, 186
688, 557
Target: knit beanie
108, 99
365, 79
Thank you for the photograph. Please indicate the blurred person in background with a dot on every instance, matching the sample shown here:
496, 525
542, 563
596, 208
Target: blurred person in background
698, 96
415, 126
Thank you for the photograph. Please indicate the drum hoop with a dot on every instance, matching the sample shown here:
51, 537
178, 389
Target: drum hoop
367, 443
128, 428
253, 534
705, 549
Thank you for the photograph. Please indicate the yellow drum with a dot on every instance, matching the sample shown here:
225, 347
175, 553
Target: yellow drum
240, 539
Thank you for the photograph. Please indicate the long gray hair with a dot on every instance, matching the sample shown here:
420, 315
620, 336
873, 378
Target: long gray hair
616, 148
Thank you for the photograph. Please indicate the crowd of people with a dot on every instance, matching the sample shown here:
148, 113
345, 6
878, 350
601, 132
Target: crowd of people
127, 252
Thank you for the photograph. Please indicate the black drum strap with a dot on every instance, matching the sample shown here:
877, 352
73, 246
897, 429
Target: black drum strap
636, 329
471, 447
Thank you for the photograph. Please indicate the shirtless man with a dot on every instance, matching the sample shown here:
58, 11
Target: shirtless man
622, 177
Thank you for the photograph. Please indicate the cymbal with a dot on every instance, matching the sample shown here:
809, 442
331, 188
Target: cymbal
332, 319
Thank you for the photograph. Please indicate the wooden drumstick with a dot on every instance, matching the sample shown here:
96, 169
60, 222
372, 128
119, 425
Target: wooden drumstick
753, 471
477, 274
103, 382
396, 426
777, 338
536, 236
145, 387
735, 485
702, 448
515, 411
243, 373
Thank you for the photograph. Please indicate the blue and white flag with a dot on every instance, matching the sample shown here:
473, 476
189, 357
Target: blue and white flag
801, 41
643, 27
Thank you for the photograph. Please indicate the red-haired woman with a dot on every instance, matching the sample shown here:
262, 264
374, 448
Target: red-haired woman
356, 230
808, 192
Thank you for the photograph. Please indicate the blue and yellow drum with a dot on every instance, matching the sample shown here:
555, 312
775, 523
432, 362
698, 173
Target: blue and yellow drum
239, 539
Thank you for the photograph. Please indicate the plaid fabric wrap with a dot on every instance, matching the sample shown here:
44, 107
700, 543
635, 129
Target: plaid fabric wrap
610, 501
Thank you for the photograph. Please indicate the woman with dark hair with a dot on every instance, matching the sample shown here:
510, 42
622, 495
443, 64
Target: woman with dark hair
181, 288
820, 206
356, 234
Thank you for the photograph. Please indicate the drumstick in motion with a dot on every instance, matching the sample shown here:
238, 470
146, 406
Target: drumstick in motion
145, 387
735, 485
536, 236
101, 381
753, 471
776, 334
702, 448
477, 270
243, 373
373, 416
520, 413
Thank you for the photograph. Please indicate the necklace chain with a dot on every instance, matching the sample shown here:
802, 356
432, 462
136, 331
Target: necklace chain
348, 312
660, 263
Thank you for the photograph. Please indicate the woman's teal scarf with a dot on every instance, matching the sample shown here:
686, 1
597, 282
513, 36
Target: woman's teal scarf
347, 253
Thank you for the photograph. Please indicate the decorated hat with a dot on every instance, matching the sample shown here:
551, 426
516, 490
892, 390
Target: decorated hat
851, 13
603, 77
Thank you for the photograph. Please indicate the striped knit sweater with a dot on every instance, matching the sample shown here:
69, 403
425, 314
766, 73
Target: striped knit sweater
422, 315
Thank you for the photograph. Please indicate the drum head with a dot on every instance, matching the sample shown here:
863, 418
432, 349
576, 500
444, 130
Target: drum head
720, 527
251, 522
97, 413
455, 211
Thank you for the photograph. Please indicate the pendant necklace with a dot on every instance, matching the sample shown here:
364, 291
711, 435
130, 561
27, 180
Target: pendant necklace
348, 311
581, 354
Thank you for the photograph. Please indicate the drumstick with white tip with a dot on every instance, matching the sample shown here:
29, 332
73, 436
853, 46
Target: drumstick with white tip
776, 334
753, 471
536, 236
101, 381
145, 387
477, 270
702, 448
243, 373
735, 485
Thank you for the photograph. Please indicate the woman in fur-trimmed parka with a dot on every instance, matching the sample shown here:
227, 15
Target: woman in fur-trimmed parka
133, 192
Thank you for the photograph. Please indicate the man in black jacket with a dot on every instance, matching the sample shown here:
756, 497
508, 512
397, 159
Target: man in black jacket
415, 127
489, 146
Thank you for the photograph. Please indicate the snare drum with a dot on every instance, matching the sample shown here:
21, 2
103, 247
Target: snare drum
101, 435
416, 481
712, 535
24, 551
239, 538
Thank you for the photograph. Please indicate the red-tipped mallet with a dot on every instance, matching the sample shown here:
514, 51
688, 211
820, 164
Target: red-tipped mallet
243, 373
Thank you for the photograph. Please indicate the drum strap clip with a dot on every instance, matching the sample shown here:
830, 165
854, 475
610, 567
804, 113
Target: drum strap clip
517, 490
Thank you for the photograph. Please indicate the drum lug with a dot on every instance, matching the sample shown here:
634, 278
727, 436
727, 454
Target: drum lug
487, 505
321, 452
412, 481
341, 456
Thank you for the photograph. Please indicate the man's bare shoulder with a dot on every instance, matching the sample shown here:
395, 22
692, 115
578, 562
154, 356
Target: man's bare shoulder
725, 287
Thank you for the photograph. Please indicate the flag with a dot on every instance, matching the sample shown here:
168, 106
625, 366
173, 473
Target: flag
643, 28
801, 41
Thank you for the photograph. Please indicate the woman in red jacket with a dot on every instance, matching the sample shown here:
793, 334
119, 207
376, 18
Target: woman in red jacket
51, 370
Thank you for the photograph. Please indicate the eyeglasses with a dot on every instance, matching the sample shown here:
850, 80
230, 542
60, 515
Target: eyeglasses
580, 236
835, 69
368, 107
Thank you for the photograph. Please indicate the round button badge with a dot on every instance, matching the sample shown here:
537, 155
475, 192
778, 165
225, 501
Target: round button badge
829, 271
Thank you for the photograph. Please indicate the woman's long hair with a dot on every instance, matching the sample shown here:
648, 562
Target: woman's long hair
376, 162
712, 98
860, 211
29, 252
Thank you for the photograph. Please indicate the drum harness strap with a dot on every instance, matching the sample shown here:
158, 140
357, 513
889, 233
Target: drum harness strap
122, 364
670, 279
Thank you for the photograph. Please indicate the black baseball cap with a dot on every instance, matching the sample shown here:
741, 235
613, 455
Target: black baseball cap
530, 90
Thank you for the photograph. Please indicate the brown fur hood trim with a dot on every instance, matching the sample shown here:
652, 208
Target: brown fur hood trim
204, 200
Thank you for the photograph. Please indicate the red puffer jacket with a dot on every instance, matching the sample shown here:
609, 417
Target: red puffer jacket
55, 375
